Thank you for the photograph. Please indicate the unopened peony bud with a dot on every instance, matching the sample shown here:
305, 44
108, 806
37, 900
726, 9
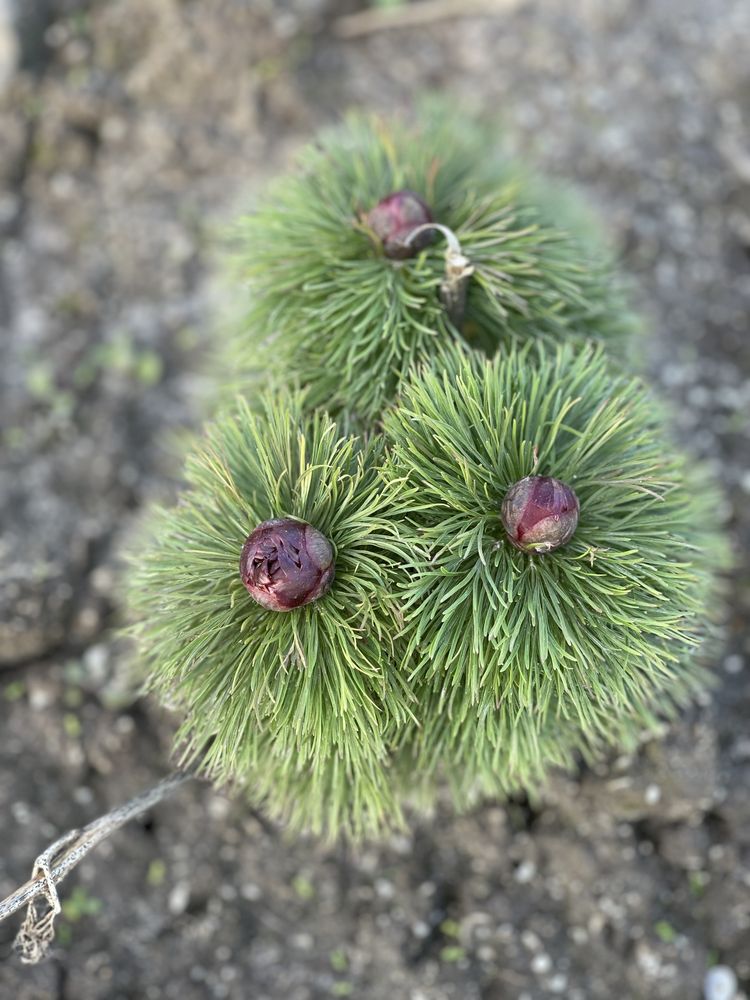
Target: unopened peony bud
286, 563
540, 514
394, 218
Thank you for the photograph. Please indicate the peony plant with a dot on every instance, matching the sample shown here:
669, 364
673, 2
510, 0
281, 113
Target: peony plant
441, 535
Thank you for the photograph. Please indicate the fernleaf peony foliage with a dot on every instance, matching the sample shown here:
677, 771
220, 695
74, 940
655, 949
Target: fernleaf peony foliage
329, 308
440, 651
521, 655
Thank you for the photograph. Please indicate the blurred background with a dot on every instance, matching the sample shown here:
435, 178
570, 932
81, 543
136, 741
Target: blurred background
131, 132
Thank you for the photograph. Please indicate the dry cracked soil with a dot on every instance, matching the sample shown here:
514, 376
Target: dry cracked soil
130, 132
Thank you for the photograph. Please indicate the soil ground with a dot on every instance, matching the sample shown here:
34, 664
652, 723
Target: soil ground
129, 133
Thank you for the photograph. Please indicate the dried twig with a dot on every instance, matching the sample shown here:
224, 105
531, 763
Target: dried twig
458, 270
51, 867
415, 14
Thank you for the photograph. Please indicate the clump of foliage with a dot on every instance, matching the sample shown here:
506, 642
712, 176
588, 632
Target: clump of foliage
517, 659
404, 435
313, 692
329, 308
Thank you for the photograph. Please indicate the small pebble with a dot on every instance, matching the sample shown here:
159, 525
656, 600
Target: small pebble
541, 964
303, 941
652, 795
83, 795
251, 891
733, 664
557, 983
531, 941
179, 898
720, 984
384, 888
525, 871
20, 812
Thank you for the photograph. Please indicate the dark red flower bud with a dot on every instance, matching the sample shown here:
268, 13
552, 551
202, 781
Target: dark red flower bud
394, 218
540, 514
286, 563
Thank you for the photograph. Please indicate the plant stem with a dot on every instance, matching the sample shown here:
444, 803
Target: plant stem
414, 15
458, 270
51, 867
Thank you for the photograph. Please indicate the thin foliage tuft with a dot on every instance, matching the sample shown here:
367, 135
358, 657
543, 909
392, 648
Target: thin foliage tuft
327, 307
520, 660
300, 701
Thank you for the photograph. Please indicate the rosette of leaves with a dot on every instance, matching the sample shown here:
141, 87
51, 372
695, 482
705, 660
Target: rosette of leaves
327, 306
299, 703
518, 660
